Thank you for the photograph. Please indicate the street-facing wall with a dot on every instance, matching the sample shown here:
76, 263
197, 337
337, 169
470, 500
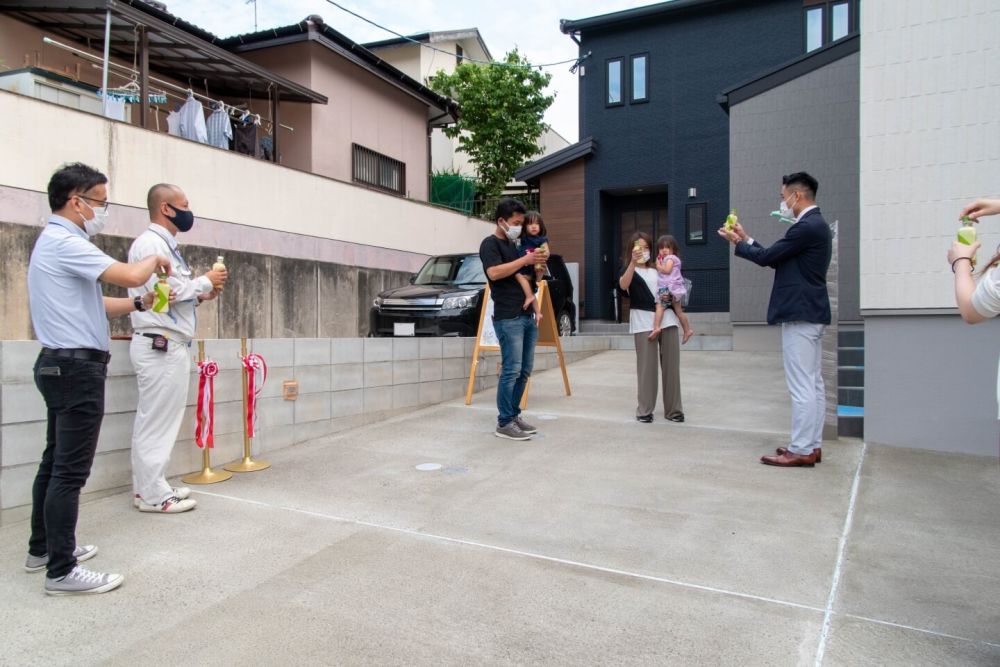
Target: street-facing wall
343, 383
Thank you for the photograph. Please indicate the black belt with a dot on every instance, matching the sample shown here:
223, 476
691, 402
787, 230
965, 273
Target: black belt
84, 353
154, 335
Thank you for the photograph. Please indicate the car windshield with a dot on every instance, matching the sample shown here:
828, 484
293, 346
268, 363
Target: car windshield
460, 270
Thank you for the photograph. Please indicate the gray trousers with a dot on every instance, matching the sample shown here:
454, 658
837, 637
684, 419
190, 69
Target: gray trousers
802, 350
651, 357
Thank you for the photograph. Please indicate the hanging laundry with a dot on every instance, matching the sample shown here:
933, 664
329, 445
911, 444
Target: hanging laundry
245, 139
220, 130
267, 148
193, 121
174, 123
114, 108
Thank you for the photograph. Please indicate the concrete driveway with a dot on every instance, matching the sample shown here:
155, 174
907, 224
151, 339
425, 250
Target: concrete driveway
602, 541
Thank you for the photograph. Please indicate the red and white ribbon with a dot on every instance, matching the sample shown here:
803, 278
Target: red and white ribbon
205, 413
256, 371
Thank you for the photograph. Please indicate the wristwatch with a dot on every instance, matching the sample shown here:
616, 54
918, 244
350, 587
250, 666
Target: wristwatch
139, 305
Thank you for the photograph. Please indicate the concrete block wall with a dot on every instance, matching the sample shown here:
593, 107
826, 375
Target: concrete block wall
343, 383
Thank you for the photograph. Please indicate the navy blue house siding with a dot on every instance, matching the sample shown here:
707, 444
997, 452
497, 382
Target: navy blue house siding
650, 153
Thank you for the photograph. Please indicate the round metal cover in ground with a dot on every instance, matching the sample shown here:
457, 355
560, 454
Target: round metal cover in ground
427, 467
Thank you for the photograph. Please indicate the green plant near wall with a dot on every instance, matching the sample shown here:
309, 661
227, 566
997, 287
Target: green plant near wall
501, 120
452, 189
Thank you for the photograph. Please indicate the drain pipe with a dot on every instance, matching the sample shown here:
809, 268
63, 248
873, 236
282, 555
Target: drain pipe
107, 56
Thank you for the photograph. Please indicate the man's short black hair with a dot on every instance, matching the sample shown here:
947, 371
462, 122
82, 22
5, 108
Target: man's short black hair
71, 179
507, 207
802, 180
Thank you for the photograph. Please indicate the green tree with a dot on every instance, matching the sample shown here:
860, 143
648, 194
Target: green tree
501, 117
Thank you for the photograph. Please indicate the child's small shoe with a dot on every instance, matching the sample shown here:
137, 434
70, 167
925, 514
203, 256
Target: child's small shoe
687, 336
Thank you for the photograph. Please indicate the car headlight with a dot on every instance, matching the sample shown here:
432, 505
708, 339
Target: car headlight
459, 301
377, 302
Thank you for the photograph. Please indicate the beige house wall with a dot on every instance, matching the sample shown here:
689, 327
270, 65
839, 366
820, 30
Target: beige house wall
222, 185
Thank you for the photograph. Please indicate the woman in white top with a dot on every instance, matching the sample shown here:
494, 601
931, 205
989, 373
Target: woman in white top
663, 353
977, 301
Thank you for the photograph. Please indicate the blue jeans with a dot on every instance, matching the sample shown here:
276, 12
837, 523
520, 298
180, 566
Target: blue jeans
517, 338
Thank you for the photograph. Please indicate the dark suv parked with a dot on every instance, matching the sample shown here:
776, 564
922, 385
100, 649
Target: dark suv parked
445, 299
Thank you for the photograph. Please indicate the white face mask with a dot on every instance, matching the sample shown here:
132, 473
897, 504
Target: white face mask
95, 225
512, 232
786, 210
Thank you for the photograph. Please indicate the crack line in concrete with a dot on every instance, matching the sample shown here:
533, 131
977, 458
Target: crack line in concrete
517, 552
824, 636
828, 611
933, 633
623, 418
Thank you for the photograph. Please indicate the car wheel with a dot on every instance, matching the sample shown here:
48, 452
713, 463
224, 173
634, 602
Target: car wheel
565, 324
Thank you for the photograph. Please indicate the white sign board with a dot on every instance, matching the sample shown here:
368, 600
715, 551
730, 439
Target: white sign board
487, 335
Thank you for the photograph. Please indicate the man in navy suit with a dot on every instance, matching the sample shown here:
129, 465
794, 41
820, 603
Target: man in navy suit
801, 305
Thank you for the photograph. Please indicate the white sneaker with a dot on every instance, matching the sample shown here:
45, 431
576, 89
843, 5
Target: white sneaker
171, 505
181, 492
81, 581
39, 563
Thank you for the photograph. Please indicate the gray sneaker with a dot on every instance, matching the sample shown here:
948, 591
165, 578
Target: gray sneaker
511, 432
81, 581
39, 563
525, 426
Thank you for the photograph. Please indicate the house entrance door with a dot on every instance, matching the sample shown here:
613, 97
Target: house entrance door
639, 214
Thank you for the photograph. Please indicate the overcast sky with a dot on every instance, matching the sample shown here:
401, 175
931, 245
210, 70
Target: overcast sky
532, 26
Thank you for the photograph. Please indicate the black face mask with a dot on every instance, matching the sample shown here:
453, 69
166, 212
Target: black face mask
183, 220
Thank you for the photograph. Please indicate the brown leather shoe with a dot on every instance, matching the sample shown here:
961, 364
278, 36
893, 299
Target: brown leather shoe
790, 460
781, 451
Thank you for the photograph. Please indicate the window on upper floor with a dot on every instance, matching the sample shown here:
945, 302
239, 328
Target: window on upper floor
640, 78
377, 170
829, 20
459, 54
613, 83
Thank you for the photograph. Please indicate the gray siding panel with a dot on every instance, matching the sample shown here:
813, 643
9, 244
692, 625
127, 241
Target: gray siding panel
809, 124
923, 387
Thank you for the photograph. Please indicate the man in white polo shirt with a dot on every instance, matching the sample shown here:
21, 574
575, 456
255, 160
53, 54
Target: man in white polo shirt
70, 318
160, 352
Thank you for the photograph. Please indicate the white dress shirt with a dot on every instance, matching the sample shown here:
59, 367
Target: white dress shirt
192, 124
180, 321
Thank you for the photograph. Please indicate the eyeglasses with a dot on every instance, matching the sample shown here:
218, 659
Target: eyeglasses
104, 202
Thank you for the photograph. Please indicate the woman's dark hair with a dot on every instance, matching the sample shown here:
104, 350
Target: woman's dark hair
535, 216
627, 256
991, 264
72, 179
671, 244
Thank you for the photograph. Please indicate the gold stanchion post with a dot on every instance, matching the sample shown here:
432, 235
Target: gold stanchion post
207, 475
247, 464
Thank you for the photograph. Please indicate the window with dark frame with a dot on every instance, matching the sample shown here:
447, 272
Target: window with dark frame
459, 54
840, 13
640, 78
828, 20
696, 224
378, 171
613, 83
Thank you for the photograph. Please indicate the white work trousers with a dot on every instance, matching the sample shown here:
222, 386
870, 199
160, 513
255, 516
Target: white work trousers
163, 388
802, 350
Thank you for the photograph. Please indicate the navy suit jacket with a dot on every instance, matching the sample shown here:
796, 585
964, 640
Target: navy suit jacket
800, 261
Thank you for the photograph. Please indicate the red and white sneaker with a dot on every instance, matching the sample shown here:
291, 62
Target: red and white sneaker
171, 505
181, 492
